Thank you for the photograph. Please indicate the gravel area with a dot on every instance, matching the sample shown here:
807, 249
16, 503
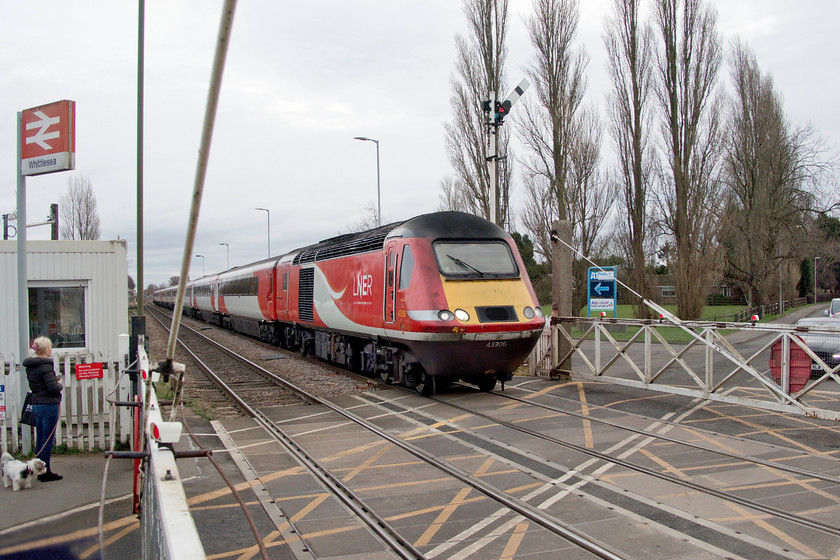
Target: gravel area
314, 378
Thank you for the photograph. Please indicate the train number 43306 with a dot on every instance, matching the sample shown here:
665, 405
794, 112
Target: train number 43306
497, 344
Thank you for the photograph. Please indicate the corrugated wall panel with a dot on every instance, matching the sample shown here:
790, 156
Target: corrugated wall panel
101, 264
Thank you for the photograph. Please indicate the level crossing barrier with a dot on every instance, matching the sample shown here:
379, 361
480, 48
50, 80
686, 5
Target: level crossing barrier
716, 361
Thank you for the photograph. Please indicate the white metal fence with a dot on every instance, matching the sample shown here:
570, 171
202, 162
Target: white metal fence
776, 367
87, 418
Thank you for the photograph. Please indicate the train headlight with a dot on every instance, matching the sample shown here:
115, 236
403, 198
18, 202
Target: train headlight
539, 312
462, 315
445, 315
528, 312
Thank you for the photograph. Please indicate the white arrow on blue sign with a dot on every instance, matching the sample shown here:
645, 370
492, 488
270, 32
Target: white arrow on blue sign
602, 292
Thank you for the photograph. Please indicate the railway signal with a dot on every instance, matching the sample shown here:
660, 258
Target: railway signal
500, 111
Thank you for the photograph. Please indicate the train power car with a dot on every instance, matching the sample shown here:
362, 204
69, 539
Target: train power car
436, 298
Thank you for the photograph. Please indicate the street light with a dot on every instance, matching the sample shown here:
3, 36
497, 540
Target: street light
815, 278
228, 253
268, 221
202, 263
378, 199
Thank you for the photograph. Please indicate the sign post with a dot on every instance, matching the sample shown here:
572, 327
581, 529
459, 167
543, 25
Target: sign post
602, 294
46, 138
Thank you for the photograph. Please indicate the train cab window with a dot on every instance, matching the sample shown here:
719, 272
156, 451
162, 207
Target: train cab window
475, 259
285, 281
407, 268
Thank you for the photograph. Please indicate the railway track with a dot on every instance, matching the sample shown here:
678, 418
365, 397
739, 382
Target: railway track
231, 381
580, 465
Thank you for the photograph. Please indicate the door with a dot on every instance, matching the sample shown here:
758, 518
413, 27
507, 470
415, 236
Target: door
390, 282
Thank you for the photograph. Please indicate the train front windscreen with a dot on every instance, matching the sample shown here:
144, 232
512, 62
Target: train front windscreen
459, 259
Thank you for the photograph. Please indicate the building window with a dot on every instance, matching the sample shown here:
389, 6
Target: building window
669, 291
58, 313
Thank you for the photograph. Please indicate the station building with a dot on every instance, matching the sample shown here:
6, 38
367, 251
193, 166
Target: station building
78, 297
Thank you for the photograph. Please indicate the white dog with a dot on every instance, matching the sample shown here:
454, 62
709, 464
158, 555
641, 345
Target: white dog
18, 474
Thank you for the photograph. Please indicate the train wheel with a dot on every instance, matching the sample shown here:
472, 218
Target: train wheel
385, 376
426, 384
486, 383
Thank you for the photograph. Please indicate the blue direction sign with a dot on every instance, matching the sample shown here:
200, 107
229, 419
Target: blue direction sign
602, 290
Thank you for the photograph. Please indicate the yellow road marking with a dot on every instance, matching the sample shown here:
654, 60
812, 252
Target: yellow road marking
515, 540
109, 541
442, 517
535, 394
70, 537
759, 429
587, 424
365, 464
665, 465
761, 523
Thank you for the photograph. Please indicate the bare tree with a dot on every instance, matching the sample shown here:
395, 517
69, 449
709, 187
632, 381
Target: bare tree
688, 63
367, 219
563, 138
771, 174
550, 115
79, 218
590, 196
630, 63
451, 196
479, 69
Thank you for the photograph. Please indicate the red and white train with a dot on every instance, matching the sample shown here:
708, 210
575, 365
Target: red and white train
437, 298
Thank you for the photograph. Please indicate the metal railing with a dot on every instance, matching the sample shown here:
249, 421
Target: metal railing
773, 367
169, 532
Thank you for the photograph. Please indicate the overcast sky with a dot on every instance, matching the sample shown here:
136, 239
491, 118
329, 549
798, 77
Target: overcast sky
299, 85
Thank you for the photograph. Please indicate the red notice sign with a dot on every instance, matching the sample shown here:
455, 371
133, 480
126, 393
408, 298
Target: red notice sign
89, 371
48, 142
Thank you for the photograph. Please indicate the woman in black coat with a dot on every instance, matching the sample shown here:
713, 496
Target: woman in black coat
46, 396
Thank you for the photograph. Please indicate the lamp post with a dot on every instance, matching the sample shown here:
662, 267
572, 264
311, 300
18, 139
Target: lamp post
228, 253
378, 198
815, 278
268, 222
202, 263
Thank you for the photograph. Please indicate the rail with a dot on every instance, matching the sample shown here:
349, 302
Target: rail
774, 367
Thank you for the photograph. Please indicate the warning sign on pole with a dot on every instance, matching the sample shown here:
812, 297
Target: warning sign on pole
48, 142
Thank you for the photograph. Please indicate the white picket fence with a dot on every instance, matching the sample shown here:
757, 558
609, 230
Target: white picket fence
539, 362
87, 419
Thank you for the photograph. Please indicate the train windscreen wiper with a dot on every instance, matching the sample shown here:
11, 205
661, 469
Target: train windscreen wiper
462, 264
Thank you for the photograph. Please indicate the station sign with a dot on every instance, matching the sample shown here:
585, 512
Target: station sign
602, 293
48, 138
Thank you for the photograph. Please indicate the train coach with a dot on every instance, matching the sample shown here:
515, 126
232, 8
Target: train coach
437, 298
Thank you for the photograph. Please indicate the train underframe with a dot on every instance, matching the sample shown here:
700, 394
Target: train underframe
377, 358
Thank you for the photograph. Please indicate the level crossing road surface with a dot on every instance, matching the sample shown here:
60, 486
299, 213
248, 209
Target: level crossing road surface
297, 519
